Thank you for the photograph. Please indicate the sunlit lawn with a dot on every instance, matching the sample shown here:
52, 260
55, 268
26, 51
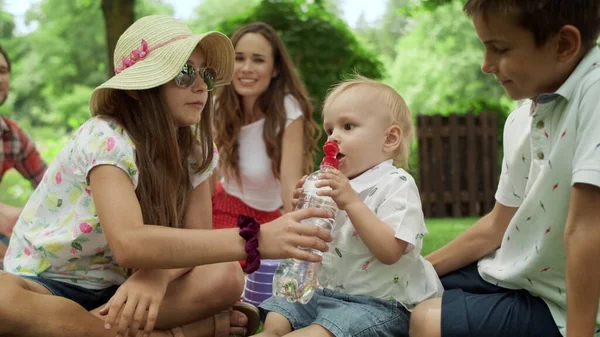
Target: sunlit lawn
14, 189
443, 230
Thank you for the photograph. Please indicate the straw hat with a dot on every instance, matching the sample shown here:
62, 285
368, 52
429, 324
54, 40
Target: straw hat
152, 51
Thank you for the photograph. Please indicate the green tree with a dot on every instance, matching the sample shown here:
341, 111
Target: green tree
150, 7
332, 6
428, 5
67, 50
382, 35
438, 66
210, 13
7, 25
118, 15
57, 65
322, 46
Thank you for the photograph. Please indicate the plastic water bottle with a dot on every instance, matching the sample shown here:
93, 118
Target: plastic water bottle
294, 279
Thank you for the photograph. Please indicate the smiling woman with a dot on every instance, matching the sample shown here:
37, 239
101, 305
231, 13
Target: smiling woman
264, 130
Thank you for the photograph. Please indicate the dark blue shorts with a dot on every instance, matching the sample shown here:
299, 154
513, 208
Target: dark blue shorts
473, 307
4, 240
90, 299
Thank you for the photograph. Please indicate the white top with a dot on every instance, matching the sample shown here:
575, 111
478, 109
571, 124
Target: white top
58, 235
260, 189
350, 267
549, 145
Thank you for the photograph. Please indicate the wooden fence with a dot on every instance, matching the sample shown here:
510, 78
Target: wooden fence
458, 164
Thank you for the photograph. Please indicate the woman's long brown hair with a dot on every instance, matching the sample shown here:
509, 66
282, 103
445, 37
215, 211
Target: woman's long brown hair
165, 155
229, 117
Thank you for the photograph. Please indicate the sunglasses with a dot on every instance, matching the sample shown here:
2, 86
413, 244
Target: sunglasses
187, 77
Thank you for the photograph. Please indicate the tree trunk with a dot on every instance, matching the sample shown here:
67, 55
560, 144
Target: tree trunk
118, 16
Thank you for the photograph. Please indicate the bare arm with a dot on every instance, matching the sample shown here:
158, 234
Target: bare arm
582, 244
479, 240
292, 153
198, 216
140, 246
376, 234
2, 250
213, 180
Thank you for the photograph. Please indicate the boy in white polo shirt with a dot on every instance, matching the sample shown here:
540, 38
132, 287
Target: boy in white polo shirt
512, 273
373, 273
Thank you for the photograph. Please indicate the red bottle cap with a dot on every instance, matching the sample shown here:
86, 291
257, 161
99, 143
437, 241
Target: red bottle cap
331, 150
329, 162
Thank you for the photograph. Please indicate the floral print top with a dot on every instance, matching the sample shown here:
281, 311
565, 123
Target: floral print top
58, 235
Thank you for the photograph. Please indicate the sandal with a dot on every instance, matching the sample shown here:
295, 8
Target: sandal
223, 321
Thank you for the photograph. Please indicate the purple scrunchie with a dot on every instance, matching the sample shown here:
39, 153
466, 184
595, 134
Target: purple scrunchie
249, 229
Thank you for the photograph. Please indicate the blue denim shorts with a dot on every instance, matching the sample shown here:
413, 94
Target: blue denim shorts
344, 315
472, 306
90, 299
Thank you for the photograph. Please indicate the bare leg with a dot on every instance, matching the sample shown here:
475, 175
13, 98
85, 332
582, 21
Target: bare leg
28, 309
192, 300
276, 325
311, 331
426, 319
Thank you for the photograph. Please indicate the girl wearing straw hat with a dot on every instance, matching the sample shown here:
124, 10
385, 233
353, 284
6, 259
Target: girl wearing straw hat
119, 229
264, 129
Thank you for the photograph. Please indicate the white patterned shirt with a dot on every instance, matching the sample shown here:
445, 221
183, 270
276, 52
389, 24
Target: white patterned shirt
550, 144
350, 267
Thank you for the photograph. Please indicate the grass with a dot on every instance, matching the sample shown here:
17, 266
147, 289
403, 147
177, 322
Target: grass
443, 230
14, 189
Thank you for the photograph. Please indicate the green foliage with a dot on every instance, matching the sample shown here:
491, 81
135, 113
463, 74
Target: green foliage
68, 50
54, 70
7, 25
427, 5
210, 13
438, 67
382, 35
56, 67
322, 46
150, 7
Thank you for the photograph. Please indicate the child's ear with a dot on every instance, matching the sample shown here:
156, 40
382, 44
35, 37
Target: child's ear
568, 43
393, 138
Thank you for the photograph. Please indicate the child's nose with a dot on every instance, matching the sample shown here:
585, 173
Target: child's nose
334, 137
488, 66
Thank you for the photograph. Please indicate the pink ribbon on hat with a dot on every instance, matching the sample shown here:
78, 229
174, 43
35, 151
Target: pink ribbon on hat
140, 53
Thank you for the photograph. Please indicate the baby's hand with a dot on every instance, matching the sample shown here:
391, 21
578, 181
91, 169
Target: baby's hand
341, 191
298, 191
